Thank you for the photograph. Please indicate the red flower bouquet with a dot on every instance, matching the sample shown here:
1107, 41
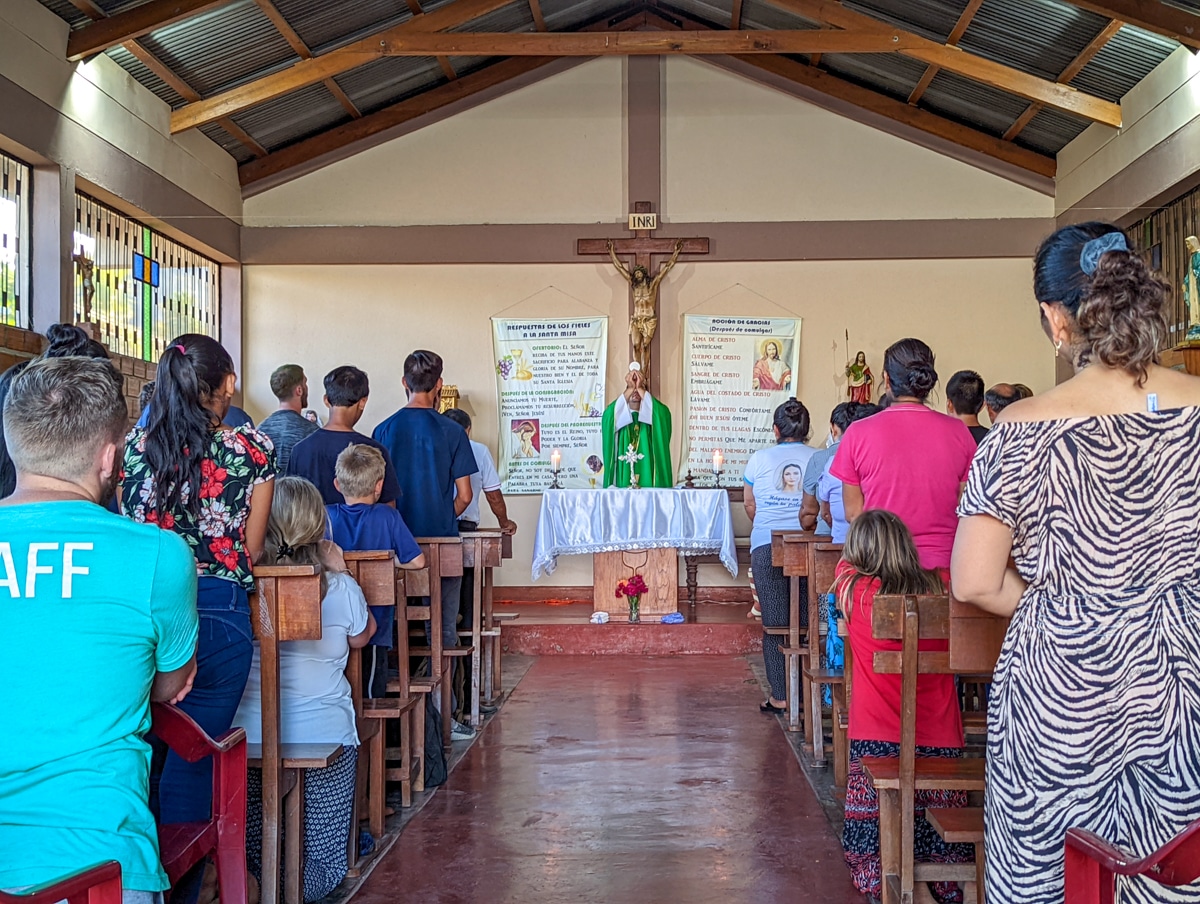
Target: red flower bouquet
633, 590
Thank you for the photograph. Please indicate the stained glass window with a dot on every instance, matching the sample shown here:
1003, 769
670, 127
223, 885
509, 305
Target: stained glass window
140, 288
15, 181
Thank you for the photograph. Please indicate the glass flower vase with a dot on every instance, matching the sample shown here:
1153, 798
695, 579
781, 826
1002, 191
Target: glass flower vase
635, 615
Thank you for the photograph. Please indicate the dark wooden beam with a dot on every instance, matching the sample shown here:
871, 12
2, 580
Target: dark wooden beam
301, 49
953, 59
956, 33
90, 8
1169, 20
1094, 46
105, 33
317, 69
735, 17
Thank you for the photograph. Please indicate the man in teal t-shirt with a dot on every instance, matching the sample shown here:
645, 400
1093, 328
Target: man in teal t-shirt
98, 619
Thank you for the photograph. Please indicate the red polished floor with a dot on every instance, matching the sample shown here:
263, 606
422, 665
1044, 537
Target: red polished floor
622, 779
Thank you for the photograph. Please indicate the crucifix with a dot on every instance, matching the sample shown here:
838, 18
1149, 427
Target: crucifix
643, 283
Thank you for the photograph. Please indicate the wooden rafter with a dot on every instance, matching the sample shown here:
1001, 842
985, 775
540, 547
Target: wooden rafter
539, 20
407, 110
1166, 19
309, 72
953, 59
735, 17
105, 33
956, 34
171, 78
1085, 56
414, 7
302, 50
639, 43
880, 104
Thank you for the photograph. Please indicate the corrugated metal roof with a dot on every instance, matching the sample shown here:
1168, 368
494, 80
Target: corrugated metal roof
1050, 131
929, 18
232, 146
759, 14
221, 48
967, 101
514, 18
1037, 36
387, 80
889, 73
323, 25
112, 7
236, 43
1123, 62
134, 67
463, 65
293, 116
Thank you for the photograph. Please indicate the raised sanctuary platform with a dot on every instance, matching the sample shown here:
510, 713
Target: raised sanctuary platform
563, 628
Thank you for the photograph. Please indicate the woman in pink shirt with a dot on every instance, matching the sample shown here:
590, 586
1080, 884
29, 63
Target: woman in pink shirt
908, 459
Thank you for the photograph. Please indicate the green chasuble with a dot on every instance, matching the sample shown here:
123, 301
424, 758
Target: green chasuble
622, 426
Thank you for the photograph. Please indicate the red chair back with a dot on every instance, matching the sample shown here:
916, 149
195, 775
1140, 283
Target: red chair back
1092, 864
100, 884
223, 837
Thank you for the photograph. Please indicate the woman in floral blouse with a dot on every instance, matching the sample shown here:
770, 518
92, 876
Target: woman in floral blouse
187, 472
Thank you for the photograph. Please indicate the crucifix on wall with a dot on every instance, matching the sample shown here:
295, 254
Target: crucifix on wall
643, 281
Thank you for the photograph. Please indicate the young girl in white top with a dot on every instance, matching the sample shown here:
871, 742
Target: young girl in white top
314, 696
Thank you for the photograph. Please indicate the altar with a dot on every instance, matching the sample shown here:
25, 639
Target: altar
631, 532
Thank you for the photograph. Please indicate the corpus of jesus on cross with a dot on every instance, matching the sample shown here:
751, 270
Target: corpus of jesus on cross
643, 282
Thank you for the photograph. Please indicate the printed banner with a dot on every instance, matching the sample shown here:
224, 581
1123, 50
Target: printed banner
550, 385
736, 372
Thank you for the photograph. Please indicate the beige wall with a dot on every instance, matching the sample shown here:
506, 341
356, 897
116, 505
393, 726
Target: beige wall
1159, 106
551, 152
976, 314
735, 150
100, 96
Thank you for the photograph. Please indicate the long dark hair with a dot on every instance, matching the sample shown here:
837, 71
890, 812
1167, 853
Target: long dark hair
179, 424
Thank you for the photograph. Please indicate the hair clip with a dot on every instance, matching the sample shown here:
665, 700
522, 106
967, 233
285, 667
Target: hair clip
179, 345
284, 552
1089, 258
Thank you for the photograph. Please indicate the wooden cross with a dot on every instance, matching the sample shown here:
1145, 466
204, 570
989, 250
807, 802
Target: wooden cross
643, 247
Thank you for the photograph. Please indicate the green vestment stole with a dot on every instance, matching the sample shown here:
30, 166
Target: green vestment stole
653, 441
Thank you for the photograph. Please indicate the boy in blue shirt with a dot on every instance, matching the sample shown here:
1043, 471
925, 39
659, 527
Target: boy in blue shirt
362, 523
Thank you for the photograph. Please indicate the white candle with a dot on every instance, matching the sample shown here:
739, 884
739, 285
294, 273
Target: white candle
718, 459
555, 458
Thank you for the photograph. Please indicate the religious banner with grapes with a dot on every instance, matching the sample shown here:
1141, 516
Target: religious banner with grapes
550, 388
736, 371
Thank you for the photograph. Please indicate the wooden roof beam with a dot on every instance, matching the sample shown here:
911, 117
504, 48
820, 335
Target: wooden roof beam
1094, 46
953, 59
956, 34
539, 20
105, 33
1161, 18
302, 50
830, 85
327, 65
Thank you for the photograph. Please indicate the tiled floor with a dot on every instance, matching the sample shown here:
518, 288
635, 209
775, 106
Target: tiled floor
621, 778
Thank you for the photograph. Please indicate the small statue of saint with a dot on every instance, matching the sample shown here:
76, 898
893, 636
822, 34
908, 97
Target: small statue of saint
1191, 287
645, 302
860, 379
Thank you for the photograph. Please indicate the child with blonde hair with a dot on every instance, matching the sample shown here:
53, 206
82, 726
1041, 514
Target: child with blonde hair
879, 556
315, 702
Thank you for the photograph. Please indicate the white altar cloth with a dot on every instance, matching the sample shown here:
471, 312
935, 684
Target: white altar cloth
574, 522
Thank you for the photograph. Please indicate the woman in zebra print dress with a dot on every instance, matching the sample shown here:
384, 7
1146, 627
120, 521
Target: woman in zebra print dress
1093, 487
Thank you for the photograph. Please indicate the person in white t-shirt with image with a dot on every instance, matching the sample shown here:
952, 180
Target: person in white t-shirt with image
773, 484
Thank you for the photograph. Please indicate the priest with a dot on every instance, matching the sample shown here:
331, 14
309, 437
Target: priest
637, 437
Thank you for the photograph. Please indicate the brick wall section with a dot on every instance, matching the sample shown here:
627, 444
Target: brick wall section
18, 345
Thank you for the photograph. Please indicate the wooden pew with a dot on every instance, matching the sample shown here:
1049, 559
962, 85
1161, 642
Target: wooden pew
823, 558
288, 608
789, 552
489, 629
973, 649
482, 551
375, 573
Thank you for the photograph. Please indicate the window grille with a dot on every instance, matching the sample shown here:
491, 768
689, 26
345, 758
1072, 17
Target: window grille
16, 179
1161, 238
139, 288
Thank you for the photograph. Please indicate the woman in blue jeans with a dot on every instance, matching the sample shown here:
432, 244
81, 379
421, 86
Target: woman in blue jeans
189, 473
